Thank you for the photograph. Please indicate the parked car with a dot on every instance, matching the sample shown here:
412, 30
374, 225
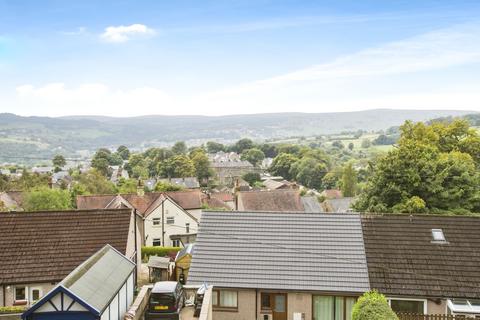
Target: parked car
166, 301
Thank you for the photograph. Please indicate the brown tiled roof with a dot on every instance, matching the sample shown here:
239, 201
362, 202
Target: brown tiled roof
187, 199
94, 202
223, 196
215, 203
275, 200
403, 260
47, 246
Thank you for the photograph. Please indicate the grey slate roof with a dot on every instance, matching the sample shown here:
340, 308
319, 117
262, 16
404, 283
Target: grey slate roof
282, 251
311, 204
97, 280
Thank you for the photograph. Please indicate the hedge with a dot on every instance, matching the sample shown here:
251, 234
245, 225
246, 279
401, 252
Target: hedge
373, 306
16, 309
159, 251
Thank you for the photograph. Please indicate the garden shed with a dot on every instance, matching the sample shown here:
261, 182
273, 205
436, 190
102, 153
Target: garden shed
102, 287
182, 263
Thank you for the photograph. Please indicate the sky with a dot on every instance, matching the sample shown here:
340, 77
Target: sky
129, 58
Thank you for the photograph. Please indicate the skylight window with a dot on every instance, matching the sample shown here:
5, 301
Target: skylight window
438, 235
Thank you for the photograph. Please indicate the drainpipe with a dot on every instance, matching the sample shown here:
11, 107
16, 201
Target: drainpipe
4, 298
256, 304
163, 223
136, 244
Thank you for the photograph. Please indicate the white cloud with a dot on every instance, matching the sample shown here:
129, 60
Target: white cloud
120, 34
78, 31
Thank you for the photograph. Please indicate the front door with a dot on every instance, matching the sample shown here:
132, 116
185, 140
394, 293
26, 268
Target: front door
279, 306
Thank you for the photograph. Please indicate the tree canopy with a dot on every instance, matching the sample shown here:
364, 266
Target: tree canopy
44, 198
434, 169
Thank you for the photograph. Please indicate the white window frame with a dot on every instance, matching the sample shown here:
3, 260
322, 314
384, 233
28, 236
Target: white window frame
40, 293
15, 294
155, 240
409, 299
159, 220
172, 219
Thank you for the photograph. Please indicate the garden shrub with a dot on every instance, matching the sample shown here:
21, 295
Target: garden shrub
373, 306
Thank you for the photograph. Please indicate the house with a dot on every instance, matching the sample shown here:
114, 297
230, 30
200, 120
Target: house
186, 183
226, 172
102, 287
225, 197
332, 194
118, 172
277, 200
164, 214
182, 263
39, 249
61, 179
43, 170
426, 264
338, 204
11, 200
265, 265
271, 184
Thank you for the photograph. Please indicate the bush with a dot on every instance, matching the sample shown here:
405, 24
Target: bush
159, 251
15, 309
373, 306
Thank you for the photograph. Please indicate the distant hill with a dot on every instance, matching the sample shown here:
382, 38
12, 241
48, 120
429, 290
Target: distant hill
38, 137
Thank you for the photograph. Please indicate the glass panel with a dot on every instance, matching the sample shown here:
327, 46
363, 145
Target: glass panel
20, 293
407, 306
338, 308
323, 308
279, 303
228, 299
35, 294
349, 302
266, 301
215, 298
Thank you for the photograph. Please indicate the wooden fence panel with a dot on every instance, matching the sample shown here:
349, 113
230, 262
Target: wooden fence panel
414, 316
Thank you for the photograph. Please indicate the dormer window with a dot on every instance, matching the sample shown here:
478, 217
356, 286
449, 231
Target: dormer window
438, 236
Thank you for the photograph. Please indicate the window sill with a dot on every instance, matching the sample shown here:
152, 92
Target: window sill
225, 309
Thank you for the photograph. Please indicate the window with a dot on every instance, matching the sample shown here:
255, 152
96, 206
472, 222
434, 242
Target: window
20, 294
224, 299
36, 294
156, 221
410, 306
187, 227
332, 308
266, 301
176, 243
438, 236
156, 242
170, 220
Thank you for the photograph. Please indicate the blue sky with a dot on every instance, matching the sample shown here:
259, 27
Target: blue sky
124, 58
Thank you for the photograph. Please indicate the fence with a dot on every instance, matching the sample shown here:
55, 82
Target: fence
414, 316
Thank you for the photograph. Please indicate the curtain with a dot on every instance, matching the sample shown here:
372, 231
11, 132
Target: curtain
339, 308
228, 299
323, 308
349, 302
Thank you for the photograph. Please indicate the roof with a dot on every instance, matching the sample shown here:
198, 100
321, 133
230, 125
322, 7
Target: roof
231, 164
273, 184
97, 280
214, 203
279, 251
274, 200
332, 193
158, 262
402, 260
188, 199
311, 204
223, 196
164, 287
47, 246
339, 205
187, 182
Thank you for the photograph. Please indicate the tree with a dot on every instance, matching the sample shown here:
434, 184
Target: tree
309, 172
372, 306
338, 144
331, 180
426, 172
164, 187
59, 162
101, 165
243, 144
254, 156
47, 199
269, 150
252, 178
123, 152
179, 148
282, 164
351, 146
201, 164
178, 166
366, 143
349, 180
92, 182
127, 185
214, 147
383, 140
